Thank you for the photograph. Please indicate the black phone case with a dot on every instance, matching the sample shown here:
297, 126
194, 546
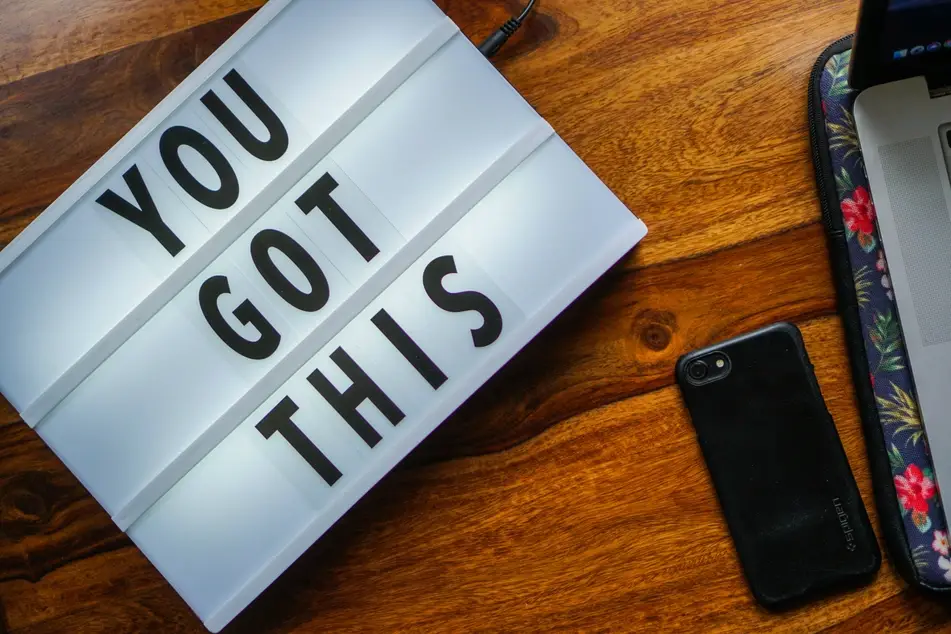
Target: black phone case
780, 472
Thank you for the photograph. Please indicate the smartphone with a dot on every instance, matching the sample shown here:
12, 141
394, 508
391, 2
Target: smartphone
779, 470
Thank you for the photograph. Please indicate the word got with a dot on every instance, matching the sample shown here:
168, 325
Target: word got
144, 213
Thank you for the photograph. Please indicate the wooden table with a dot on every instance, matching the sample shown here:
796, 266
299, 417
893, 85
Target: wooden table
570, 492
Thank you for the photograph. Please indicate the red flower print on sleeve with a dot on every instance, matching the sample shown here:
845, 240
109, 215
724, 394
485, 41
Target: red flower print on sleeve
859, 212
914, 489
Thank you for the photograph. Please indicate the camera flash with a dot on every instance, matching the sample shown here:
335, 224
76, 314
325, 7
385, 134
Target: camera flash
721, 363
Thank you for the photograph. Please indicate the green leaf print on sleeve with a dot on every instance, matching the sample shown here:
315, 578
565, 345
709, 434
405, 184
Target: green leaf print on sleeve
838, 69
895, 459
843, 136
862, 286
843, 183
900, 409
885, 335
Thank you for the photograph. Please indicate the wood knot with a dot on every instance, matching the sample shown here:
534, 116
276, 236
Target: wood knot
23, 508
655, 337
655, 329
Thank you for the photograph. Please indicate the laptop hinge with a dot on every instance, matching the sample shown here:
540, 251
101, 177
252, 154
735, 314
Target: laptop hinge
939, 85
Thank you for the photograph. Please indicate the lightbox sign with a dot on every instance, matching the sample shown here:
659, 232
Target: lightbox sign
294, 268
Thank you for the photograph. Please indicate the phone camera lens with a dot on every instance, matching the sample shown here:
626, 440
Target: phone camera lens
698, 370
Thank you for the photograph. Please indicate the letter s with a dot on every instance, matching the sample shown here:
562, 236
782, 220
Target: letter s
462, 302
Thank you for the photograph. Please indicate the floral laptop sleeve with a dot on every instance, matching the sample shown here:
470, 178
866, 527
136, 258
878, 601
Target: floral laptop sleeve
911, 514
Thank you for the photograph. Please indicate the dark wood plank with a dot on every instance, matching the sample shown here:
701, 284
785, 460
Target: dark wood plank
40, 35
115, 592
908, 611
47, 518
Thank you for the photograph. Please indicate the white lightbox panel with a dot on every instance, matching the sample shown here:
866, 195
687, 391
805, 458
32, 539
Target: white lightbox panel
418, 227
430, 123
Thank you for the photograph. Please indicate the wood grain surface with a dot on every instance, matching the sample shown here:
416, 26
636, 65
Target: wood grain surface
569, 493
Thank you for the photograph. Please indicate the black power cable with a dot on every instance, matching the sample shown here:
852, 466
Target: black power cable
497, 40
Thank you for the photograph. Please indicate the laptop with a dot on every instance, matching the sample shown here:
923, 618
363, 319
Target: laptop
901, 63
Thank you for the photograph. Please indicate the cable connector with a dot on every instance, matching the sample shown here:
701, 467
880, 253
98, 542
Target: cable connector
497, 40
